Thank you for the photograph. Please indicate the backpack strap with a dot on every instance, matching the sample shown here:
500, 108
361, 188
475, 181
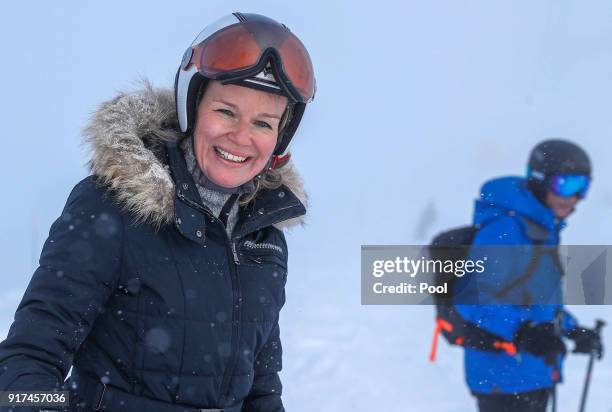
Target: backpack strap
529, 271
538, 236
458, 331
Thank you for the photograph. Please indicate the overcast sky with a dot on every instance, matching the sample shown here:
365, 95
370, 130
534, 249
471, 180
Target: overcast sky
417, 104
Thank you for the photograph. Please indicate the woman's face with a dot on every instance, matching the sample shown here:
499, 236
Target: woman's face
236, 132
561, 206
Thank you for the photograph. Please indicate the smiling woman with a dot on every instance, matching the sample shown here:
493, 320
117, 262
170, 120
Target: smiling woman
236, 132
162, 281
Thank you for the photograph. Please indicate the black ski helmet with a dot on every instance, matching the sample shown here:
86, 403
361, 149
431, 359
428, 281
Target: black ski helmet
552, 157
251, 50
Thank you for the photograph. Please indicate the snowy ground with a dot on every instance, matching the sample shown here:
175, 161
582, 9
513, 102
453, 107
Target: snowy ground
341, 356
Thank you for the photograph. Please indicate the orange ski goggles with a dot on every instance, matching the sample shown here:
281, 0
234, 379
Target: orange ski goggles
242, 50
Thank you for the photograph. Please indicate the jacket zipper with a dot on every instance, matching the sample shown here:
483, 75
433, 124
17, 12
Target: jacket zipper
236, 260
236, 299
249, 244
236, 309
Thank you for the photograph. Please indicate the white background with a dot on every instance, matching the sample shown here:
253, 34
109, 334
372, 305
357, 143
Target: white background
418, 103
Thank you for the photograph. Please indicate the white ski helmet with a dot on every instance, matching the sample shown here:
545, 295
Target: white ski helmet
251, 50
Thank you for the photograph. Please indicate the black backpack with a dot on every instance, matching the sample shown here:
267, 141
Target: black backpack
455, 245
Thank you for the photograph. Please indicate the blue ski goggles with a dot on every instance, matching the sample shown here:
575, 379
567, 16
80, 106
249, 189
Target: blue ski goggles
570, 185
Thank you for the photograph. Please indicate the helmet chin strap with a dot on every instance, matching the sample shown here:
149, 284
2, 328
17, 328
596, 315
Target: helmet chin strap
276, 161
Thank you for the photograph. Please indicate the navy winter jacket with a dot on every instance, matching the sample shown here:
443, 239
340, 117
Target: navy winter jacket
141, 290
510, 216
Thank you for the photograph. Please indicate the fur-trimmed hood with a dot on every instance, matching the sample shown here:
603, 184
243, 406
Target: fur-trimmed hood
124, 134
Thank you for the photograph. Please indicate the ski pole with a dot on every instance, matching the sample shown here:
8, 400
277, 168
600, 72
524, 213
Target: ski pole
553, 393
587, 379
554, 398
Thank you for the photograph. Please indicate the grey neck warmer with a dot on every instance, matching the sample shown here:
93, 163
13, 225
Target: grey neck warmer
213, 196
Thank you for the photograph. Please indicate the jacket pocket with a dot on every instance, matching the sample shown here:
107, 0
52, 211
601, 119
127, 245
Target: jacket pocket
263, 254
263, 274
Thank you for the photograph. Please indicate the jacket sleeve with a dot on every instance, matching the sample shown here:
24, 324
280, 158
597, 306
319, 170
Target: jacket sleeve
265, 394
502, 265
79, 268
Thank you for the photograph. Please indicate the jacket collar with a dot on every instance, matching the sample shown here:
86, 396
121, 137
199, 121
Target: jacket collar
134, 143
510, 194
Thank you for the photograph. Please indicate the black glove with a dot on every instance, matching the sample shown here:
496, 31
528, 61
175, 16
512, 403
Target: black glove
540, 339
587, 341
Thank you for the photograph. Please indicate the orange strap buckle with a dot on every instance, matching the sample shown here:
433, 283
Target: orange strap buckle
507, 347
441, 325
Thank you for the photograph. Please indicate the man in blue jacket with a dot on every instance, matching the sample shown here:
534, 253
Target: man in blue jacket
518, 301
